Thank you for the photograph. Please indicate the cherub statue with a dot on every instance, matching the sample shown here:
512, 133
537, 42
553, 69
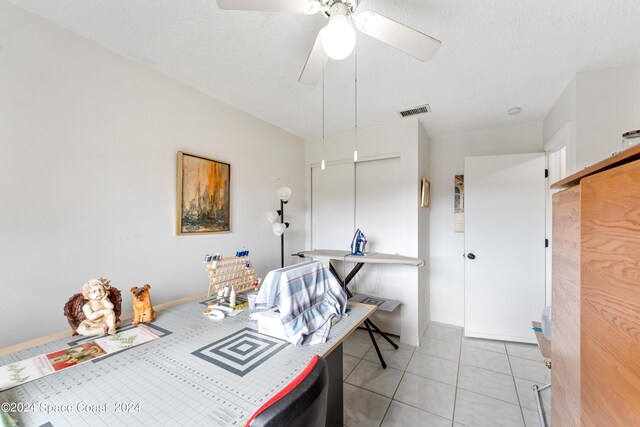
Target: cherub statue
100, 317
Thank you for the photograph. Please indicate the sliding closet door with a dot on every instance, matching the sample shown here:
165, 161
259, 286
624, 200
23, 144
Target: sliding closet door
378, 196
332, 206
381, 215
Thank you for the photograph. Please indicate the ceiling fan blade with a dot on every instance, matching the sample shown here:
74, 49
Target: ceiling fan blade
312, 71
292, 6
408, 40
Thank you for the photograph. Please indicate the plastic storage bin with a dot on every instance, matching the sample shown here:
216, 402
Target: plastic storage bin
546, 323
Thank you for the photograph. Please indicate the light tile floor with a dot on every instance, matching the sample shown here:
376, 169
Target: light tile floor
449, 381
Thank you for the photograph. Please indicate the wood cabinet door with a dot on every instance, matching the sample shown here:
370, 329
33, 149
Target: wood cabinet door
610, 312
565, 339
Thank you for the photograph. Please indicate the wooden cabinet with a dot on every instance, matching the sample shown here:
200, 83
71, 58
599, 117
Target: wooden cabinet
565, 344
596, 295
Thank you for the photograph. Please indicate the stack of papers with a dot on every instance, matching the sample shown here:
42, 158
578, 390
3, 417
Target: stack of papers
23, 371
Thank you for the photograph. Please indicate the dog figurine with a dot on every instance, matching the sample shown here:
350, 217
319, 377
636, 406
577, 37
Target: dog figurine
142, 308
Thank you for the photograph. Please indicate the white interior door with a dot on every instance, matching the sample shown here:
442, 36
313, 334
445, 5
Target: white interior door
504, 244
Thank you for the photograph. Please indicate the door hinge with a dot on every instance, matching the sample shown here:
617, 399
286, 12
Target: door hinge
546, 173
546, 243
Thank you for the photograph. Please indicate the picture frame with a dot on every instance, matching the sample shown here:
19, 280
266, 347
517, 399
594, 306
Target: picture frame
458, 204
425, 193
203, 203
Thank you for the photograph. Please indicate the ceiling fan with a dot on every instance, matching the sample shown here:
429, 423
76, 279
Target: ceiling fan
337, 39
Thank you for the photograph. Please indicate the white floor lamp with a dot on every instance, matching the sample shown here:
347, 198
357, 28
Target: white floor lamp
279, 227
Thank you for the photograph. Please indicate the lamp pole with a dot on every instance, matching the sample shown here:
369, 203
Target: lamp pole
279, 228
282, 235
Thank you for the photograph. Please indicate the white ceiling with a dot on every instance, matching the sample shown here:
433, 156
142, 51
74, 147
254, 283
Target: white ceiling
496, 54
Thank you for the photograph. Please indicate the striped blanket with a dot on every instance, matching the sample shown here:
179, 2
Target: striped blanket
308, 296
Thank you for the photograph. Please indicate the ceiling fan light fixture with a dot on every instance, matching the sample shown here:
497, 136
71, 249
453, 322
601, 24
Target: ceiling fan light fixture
339, 38
312, 7
362, 20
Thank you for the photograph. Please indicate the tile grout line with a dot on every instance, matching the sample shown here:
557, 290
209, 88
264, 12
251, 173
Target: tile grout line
487, 349
404, 371
487, 369
394, 392
369, 391
491, 397
515, 385
484, 368
416, 351
435, 357
351, 372
455, 396
431, 379
399, 401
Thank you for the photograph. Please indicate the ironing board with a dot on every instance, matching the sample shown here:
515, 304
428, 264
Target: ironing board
328, 255
370, 258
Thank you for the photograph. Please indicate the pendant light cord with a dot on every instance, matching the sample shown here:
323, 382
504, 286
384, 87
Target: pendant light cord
323, 111
355, 84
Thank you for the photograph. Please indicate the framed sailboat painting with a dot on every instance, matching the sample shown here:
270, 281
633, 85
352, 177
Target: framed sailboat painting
203, 202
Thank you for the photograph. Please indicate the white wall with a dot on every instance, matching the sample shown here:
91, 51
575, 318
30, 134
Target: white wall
606, 105
562, 116
88, 146
447, 248
424, 171
636, 96
397, 141
599, 105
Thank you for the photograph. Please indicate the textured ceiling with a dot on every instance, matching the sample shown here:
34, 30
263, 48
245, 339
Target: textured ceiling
496, 54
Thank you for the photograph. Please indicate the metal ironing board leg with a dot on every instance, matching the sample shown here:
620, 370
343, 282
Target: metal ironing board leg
344, 283
382, 334
368, 323
537, 391
375, 344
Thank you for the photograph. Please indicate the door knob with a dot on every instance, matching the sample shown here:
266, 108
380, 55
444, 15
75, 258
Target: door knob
471, 256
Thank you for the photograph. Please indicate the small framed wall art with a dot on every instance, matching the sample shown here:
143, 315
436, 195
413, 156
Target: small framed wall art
425, 193
458, 204
203, 202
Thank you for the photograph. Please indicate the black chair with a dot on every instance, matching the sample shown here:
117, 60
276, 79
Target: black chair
302, 403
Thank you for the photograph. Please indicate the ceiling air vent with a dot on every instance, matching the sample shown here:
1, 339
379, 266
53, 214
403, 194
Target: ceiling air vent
421, 109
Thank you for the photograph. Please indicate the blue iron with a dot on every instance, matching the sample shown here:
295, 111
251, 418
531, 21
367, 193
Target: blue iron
358, 243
